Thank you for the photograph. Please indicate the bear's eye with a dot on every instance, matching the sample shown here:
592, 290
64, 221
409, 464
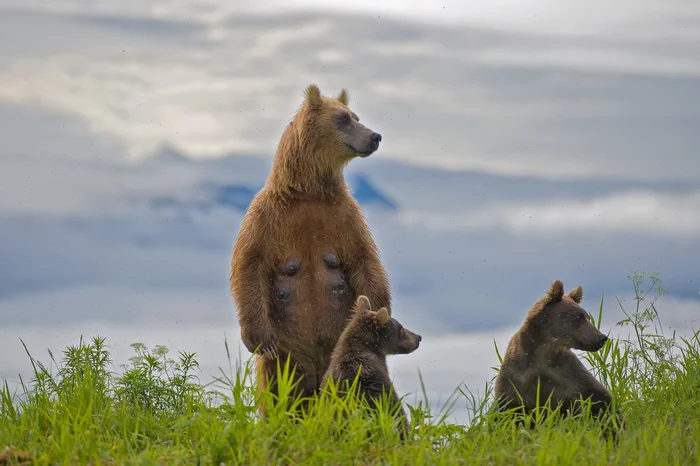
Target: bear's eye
344, 119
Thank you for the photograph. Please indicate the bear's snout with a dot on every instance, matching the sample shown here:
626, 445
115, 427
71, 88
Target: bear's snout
596, 344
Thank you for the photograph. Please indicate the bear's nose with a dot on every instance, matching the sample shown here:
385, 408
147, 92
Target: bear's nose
376, 138
603, 339
420, 338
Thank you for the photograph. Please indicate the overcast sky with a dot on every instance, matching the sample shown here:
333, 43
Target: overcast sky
521, 145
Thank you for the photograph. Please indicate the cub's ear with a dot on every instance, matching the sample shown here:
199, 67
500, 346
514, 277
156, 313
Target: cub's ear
343, 97
382, 316
361, 304
313, 95
556, 292
576, 294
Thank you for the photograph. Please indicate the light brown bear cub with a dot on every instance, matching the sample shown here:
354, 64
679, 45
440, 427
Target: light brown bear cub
364, 345
541, 350
304, 251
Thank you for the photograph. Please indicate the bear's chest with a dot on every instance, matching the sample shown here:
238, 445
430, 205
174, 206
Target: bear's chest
311, 299
311, 225
310, 279
310, 285
309, 231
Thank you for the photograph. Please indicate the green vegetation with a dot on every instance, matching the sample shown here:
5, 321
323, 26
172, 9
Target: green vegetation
76, 411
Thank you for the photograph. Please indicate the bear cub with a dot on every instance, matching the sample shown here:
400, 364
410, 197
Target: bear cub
367, 340
541, 351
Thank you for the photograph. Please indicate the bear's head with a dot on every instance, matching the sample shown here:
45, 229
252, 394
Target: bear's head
335, 126
562, 322
378, 331
321, 139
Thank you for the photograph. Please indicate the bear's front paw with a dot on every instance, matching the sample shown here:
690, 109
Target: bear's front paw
265, 345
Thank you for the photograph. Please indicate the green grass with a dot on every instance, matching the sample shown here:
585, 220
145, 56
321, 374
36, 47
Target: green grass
154, 411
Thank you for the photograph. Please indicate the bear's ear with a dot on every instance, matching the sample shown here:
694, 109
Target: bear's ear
576, 294
556, 292
343, 97
313, 95
382, 316
361, 304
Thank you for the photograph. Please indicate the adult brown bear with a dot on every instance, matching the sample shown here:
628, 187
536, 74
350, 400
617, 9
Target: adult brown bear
304, 252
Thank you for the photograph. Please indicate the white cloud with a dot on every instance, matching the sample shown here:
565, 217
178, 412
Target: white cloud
143, 106
681, 315
639, 19
204, 11
52, 166
136, 305
629, 212
629, 18
475, 100
271, 43
605, 57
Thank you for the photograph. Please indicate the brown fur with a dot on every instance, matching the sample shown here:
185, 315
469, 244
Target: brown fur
364, 345
304, 251
541, 350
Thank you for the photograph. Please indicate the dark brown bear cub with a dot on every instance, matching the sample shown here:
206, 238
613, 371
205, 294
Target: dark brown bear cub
541, 352
363, 346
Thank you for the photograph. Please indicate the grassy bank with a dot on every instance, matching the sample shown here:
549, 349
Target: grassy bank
80, 409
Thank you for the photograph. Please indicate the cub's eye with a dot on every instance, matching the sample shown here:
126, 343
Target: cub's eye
581, 316
344, 119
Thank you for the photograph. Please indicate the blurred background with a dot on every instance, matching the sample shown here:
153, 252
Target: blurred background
523, 142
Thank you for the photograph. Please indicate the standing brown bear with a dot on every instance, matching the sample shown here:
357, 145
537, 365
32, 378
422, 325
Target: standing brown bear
363, 346
541, 352
304, 251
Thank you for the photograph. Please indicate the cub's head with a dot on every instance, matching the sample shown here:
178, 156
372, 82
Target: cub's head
333, 127
563, 322
379, 332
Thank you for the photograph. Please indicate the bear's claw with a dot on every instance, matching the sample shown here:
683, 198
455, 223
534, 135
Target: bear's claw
269, 351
